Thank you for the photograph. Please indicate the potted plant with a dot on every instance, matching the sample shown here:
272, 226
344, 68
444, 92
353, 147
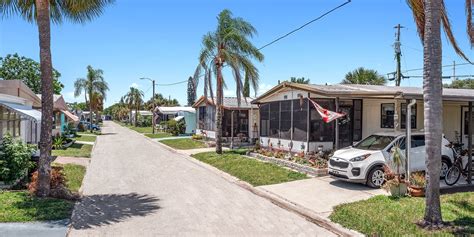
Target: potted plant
395, 184
417, 184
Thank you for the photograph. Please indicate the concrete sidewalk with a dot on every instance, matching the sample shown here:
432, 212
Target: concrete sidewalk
321, 194
37, 229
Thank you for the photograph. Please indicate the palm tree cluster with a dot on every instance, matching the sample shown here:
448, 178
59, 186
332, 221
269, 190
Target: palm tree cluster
43, 12
95, 88
134, 100
228, 45
365, 77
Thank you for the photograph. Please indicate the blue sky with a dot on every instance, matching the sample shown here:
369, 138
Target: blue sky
162, 39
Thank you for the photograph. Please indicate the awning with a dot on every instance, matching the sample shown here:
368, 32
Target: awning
70, 115
29, 113
179, 118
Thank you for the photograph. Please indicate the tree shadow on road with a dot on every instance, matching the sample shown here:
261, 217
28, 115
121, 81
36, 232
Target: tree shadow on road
99, 210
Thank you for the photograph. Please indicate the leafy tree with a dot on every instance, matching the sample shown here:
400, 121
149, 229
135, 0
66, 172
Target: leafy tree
429, 15
300, 80
160, 101
93, 84
76, 106
229, 45
461, 84
365, 77
43, 12
191, 91
15, 67
134, 99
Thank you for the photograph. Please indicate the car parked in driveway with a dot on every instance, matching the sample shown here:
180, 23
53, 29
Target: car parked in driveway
363, 162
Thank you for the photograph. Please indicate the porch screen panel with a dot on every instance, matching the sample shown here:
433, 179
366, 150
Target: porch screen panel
275, 119
264, 120
300, 113
202, 117
321, 131
357, 132
285, 120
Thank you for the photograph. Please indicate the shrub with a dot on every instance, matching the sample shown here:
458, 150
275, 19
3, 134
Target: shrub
175, 127
58, 143
14, 159
197, 137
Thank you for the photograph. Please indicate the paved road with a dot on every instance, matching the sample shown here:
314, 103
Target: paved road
134, 187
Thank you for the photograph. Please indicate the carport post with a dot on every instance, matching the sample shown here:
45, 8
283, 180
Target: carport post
469, 145
408, 136
336, 143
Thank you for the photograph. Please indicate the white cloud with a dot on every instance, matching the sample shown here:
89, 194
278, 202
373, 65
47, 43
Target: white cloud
135, 85
69, 97
262, 88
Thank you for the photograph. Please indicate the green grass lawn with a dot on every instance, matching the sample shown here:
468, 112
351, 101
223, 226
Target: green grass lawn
158, 135
74, 176
20, 206
249, 170
85, 138
386, 216
76, 150
184, 143
88, 133
141, 129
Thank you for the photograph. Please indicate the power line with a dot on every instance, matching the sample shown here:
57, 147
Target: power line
451, 65
171, 84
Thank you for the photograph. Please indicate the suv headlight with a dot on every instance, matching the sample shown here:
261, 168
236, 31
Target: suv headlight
359, 158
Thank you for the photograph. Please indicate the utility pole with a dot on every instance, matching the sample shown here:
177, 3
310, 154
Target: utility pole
398, 54
154, 105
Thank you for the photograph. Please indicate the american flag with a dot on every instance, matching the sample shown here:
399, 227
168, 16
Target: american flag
327, 115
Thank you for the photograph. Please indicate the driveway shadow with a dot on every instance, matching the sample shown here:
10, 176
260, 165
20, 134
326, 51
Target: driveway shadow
99, 210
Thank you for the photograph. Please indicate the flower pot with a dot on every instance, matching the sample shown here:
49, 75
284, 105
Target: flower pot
399, 190
416, 191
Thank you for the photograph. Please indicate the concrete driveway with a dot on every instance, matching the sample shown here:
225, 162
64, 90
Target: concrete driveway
135, 187
322, 194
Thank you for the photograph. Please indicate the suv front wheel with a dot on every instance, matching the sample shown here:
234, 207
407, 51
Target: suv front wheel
376, 177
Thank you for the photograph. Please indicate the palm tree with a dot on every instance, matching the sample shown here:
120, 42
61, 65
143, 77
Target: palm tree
97, 104
94, 83
228, 45
299, 80
429, 15
134, 99
364, 76
43, 12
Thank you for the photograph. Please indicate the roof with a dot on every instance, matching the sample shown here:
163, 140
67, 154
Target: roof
229, 102
24, 110
59, 102
19, 89
375, 91
143, 112
174, 109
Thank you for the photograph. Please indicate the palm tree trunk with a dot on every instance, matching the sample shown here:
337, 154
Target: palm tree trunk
432, 95
136, 115
219, 100
90, 110
44, 31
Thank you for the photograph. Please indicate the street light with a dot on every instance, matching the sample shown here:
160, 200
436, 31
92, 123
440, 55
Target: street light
153, 99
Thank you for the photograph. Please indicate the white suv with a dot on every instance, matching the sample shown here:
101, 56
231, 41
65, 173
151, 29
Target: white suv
363, 162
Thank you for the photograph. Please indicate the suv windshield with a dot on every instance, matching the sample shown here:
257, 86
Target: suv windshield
374, 142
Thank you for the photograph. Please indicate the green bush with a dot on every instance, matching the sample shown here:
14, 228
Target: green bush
175, 127
14, 159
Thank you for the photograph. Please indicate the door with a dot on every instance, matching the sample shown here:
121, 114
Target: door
345, 126
465, 126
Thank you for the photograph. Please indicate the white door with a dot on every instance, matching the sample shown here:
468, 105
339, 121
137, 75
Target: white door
465, 125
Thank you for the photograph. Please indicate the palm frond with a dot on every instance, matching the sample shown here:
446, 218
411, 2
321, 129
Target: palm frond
418, 9
470, 29
449, 32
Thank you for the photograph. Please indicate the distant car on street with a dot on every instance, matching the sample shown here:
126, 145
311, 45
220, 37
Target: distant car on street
89, 126
363, 162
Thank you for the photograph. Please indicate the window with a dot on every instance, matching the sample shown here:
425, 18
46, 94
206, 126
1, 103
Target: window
264, 120
202, 116
321, 131
300, 117
275, 119
417, 141
387, 114
404, 116
285, 119
10, 122
374, 142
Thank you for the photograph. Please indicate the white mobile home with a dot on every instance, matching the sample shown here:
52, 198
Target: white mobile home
289, 122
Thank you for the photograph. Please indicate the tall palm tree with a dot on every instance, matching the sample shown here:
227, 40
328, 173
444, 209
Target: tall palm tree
364, 76
97, 104
229, 45
94, 83
43, 12
134, 99
429, 15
